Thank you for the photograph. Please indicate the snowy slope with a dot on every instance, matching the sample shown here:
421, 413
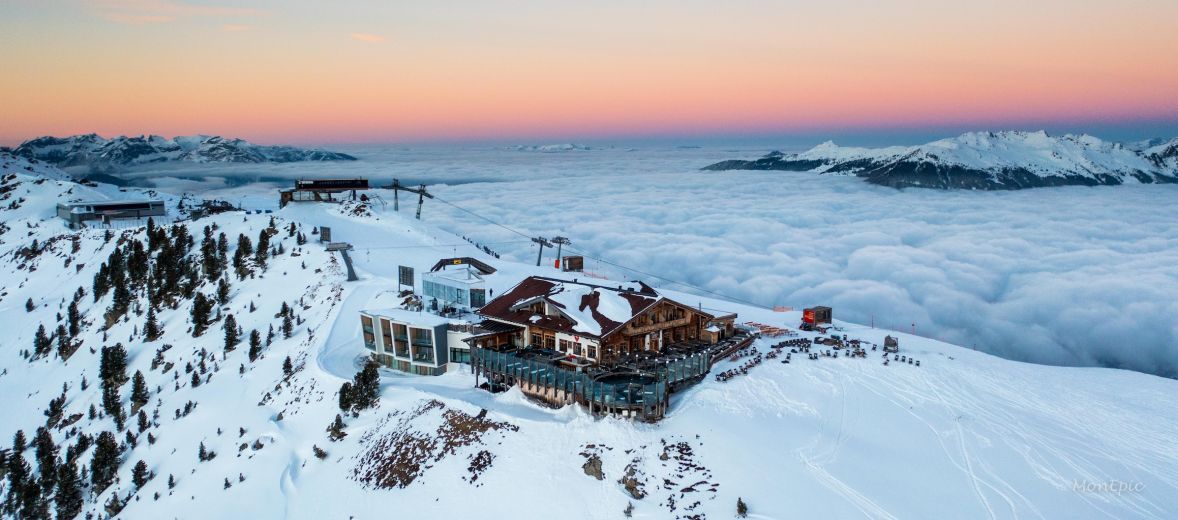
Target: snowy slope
96, 153
965, 435
984, 160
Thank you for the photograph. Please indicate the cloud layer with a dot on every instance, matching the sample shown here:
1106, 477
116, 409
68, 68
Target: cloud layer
1070, 276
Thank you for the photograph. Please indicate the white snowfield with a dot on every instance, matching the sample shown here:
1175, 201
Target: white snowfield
964, 435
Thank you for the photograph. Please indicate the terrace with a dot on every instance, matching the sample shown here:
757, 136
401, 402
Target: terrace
636, 385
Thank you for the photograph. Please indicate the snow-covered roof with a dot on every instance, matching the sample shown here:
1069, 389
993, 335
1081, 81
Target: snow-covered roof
111, 202
579, 308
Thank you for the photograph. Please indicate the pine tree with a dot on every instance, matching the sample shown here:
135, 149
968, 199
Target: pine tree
41, 342
255, 345
243, 252
151, 329
63, 340
139, 393
223, 251
139, 474
101, 282
270, 336
231, 337
366, 387
742, 509
287, 367
112, 367
69, 491
222, 292
143, 424
105, 463
30, 306
287, 325
201, 310
55, 411
345, 396
111, 404
19, 477
209, 259
120, 303
74, 318
336, 429
203, 453
45, 452
195, 379
263, 248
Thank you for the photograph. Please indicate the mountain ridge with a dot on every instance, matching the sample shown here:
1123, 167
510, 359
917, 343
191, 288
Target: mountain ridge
98, 154
984, 160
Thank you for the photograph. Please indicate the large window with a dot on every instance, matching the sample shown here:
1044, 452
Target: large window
369, 337
478, 297
420, 336
564, 345
459, 355
592, 352
444, 293
385, 332
423, 354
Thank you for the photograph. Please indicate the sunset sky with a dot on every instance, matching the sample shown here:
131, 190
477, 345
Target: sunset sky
302, 71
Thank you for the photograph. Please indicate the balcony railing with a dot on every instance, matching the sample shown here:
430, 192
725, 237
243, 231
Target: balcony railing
651, 327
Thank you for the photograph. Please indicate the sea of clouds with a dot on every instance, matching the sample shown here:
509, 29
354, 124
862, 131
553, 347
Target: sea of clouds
1068, 276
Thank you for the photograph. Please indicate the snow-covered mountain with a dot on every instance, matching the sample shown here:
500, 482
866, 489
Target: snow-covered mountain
96, 153
552, 148
206, 423
985, 160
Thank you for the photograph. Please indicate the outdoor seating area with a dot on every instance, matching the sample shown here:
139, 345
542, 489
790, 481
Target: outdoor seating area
750, 353
772, 331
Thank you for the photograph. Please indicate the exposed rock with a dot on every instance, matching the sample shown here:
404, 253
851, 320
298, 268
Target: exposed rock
592, 467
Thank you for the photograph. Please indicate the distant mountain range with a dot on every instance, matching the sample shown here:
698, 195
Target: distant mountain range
986, 161
97, 154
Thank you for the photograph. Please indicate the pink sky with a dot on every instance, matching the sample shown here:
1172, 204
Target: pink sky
302, 71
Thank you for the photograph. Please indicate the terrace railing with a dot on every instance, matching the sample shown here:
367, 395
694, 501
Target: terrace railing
645, 393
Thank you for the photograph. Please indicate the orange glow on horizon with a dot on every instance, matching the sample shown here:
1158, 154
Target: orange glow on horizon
571, 69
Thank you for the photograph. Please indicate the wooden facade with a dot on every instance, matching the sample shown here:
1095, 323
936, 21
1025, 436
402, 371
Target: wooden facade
536, 319
665, 323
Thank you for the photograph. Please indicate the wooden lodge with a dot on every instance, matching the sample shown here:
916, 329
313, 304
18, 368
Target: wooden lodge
616, 349
599, 324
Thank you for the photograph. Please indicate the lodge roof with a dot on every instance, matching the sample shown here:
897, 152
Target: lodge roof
582, 309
